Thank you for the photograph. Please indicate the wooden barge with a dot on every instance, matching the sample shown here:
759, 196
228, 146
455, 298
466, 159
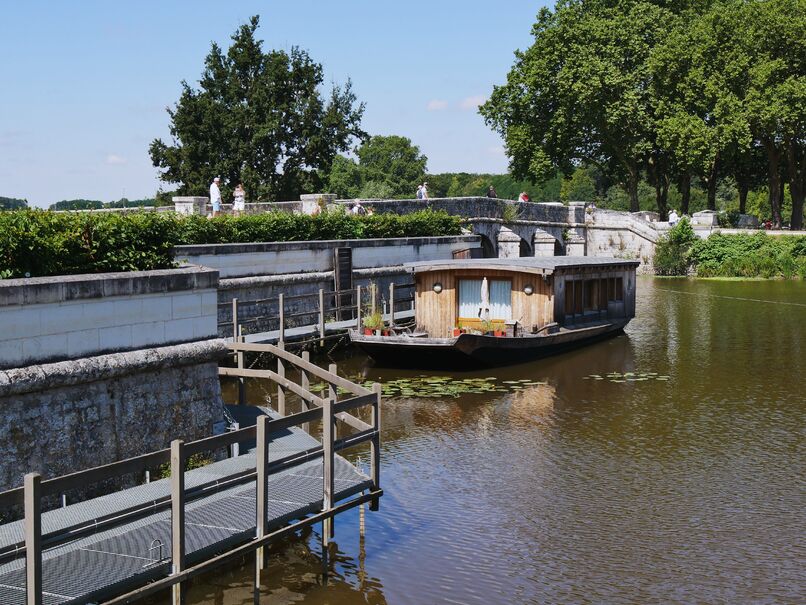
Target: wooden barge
471, 312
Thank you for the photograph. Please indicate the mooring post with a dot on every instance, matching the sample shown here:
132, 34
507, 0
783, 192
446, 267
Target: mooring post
305, 383
281, 338
358, 308
234, 320
333, 397
177, 517
373, 295
375, 444
328, 487
280, 387
262, 509
392, 305
241, 379
32, 488
321, 317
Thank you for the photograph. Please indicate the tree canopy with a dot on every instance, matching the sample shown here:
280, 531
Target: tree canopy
12, 203
665, 90
258, 118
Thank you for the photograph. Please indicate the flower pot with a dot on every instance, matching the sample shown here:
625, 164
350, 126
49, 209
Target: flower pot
367, 331
456, 331
385, 333
377, 332
498, 333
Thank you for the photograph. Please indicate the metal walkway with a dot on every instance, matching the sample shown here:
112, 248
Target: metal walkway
129, 555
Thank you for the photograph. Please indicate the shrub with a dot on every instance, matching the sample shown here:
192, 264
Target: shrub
745, 255
36, 242
672, 250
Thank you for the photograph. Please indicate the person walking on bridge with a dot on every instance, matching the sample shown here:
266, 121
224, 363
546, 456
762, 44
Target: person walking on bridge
215, 196
491, 193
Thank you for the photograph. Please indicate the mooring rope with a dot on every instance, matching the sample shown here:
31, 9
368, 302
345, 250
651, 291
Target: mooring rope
761, 300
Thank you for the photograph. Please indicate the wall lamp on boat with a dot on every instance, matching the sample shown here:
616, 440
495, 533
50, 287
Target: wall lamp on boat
528, 289
437, 287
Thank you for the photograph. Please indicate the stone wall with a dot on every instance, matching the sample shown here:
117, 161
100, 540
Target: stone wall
71, 316
67, 416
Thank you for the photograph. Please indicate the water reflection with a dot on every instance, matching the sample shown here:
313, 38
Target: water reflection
685, 490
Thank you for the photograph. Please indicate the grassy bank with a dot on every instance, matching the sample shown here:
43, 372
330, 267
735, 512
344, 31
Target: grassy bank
38, 243
751, 255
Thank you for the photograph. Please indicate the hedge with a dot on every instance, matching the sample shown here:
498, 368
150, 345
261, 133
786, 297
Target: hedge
37, 242
736, 255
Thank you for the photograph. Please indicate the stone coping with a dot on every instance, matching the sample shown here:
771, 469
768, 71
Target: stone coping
216, 249
40, 377
61, 288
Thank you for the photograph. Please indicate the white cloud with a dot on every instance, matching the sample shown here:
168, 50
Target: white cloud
115, 160
437, 105
472, 102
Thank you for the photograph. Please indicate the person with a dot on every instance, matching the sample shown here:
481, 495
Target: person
239, 200
491, 192
673, 218
358, 209
419, 192
425, 191
523, 197
215, 196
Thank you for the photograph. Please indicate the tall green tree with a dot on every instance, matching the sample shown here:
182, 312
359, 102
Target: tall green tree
394, 161
258, 118
581, 92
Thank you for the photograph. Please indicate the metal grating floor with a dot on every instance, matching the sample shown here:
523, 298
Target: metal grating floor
118, 559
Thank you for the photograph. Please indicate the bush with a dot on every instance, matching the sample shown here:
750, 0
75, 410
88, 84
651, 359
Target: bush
672, 250
36, 242
744, 255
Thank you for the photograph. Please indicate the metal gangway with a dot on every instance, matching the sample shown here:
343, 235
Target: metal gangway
265, 482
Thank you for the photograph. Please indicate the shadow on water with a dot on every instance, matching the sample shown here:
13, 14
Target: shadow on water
663, 465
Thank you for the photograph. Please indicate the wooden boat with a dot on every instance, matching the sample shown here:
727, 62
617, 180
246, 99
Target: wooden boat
471, 312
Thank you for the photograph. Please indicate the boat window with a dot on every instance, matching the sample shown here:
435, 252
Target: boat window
569, 297
590, 294
618, 289
578, 293
500, 292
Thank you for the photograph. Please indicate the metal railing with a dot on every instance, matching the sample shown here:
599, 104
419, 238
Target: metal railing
327, 409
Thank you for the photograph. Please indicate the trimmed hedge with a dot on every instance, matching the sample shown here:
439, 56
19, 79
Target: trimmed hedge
38, 243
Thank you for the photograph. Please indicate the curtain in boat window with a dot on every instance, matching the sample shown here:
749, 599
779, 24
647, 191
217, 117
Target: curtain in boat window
500, 299
469, 298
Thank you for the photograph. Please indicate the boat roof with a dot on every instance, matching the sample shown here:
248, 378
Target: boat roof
541, 265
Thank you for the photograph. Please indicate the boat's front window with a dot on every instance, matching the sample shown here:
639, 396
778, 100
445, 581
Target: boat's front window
499, 297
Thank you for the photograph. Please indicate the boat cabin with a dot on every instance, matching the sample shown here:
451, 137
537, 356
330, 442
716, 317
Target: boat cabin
521, 296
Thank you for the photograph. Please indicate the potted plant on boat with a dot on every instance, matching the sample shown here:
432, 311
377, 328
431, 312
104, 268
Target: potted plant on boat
498, 330
373, 323
457, 330
487, 327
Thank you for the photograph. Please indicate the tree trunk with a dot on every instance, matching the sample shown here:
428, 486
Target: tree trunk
684, 186
632, 188
775, 181
743, 189
796, 165
710, 180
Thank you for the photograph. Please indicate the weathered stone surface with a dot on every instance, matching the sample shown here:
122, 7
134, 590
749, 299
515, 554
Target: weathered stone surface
190, 204
705, 218
61, 418
747, 221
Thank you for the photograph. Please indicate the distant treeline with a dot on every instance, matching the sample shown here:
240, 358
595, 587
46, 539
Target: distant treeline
98, 204
12, 203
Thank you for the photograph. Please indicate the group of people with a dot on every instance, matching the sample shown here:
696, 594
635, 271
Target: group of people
422, 191
238, 195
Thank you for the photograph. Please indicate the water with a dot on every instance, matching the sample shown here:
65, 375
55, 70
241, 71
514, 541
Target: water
627, 488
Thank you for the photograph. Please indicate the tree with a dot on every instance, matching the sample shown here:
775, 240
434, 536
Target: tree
257, 118
12, 203
77, 205
581, 92
345, 178
394, 161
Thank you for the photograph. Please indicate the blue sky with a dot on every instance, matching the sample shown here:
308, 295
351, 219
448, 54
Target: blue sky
86, 83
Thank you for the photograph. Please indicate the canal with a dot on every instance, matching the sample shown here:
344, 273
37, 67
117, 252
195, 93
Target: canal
664, 465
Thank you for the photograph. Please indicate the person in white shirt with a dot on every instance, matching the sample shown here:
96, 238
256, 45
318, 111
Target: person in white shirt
215, 196
425, 191
239, 199
419, 192
673, 218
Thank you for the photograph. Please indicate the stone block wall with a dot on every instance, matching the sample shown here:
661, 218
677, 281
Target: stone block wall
72, 316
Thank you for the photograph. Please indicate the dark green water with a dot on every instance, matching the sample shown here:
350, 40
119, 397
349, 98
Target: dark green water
627, 488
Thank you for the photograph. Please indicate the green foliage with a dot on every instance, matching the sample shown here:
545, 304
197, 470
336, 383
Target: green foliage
37, 242
12, 203
394, 162
258, 118
580, 187
751, 255
77, 205
673, 250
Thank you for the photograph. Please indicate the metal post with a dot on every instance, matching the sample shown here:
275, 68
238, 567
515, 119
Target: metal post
241, 379
33, 538
305, 383
177, 516
373, 295
375, 444
234, 320
358, 308
281, 338
328, 488
322, 317
392, 305
333, 397
262, 471
281, 388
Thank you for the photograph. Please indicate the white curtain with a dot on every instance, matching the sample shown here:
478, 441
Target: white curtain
500, 299
469, 298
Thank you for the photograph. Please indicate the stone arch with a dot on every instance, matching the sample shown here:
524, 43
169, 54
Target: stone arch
525, 248
558, 248
487, 247
546, 244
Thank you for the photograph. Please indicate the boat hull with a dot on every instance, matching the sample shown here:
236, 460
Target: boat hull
472, 350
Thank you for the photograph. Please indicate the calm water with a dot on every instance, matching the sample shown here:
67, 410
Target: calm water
627, 488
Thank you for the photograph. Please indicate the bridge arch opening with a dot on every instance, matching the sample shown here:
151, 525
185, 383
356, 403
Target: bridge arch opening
487, 248
525, 248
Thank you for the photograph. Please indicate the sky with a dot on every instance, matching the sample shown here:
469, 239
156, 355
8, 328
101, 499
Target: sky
86, 84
